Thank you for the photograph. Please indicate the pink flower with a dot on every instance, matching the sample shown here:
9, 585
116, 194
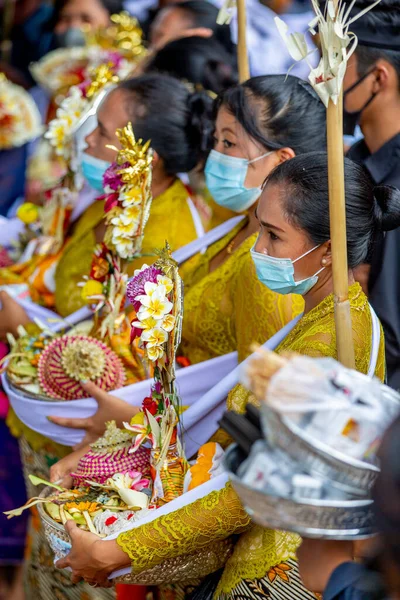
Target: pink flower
136, 285
115, 59
138, 483
84, 86
111, 178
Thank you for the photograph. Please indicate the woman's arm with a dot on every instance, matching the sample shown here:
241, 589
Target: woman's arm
214, 517
110, 408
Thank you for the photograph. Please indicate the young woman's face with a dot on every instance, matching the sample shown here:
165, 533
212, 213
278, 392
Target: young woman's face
231, 139
80, 13
280, 238
111, 115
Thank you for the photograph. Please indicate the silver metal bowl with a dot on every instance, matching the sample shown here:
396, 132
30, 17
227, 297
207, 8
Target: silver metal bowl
326, 519
347, 474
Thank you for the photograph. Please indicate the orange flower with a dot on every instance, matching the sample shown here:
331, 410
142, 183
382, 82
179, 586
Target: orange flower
90, 507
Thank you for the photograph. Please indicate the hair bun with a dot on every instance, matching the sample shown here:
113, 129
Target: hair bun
387, 207
200, 110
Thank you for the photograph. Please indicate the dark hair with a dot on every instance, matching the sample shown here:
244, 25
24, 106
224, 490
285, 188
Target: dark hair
111, 6
198, 60
204, 14
177, 122
383, 18
369, 209
278, 111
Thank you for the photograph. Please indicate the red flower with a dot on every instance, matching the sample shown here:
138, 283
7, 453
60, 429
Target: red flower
111, 202
150, 404
110, 521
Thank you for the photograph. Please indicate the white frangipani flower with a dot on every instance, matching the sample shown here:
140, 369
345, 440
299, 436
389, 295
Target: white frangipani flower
156, 305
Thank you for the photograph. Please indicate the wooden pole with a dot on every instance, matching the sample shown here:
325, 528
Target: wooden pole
337, 215
243, 59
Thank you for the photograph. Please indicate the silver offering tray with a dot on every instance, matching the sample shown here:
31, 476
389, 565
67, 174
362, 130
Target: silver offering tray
30, 395
327, 519
342, 471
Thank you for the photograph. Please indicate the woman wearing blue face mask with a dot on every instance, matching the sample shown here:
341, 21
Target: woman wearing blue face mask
256, 129
178, 136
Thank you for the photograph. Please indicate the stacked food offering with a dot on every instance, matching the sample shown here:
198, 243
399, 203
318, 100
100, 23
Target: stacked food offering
312, 470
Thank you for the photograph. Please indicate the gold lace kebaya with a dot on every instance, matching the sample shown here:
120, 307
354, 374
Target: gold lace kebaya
229, 309
262, 558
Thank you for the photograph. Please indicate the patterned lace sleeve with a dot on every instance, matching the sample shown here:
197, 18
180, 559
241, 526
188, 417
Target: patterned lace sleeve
259, 313
214, 517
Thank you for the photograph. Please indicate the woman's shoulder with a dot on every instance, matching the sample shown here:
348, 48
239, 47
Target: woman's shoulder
176, 193
90, 218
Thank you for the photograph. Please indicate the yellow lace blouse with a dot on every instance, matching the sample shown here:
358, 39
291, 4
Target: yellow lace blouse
170, 219
229, 309
196, 526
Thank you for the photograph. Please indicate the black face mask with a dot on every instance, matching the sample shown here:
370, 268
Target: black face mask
351, 119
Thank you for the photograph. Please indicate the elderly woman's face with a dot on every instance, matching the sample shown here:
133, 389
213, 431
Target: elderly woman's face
280, 238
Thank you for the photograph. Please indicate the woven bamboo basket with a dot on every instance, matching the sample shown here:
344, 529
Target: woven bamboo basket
182, 569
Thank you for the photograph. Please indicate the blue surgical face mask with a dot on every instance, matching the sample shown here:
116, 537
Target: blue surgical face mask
93, 170
278, 273
225, 177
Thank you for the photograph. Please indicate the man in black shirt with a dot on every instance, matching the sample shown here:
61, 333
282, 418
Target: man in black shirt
372, 99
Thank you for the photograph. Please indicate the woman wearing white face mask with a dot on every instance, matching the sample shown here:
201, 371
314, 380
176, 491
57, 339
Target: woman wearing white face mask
256, 129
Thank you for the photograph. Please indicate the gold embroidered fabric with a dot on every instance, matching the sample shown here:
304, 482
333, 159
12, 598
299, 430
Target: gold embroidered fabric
170, 219
229, 309
315, 335
215, 517
76, 260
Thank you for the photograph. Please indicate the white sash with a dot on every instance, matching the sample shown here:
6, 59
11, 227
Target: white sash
376, 342
54, 322
198, 225
183, 254
203, 387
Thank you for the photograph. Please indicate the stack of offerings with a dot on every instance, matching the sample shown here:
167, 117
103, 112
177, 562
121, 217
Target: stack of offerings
313, 470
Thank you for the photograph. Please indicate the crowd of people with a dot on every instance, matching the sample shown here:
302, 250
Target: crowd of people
243, 167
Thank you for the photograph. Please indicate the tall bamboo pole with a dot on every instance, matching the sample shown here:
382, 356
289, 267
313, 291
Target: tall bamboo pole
243, 58
337, 215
